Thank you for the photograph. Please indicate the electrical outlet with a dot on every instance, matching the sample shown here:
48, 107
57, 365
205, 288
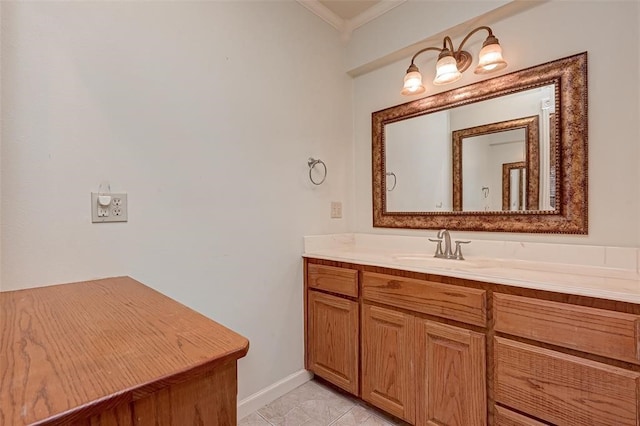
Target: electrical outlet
103, 211
116, 211
336, 209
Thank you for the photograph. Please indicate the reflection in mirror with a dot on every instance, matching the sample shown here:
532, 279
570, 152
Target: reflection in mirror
485, 156
419, 151
479, 153
490, 151
447, 152
514, 186
419, 156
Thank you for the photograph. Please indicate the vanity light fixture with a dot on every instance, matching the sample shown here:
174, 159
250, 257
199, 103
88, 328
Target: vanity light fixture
452, 63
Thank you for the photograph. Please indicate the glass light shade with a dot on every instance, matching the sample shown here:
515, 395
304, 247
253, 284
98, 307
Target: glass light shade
490, 59
413, 84
446, 70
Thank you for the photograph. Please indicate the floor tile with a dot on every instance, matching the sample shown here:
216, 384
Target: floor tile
327, 409
317, 404
387, 418
360, 416
253, 420
278, 409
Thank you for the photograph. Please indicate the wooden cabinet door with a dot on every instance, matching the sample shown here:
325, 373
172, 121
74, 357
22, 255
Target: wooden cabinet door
451, 379
332, 339
387, 357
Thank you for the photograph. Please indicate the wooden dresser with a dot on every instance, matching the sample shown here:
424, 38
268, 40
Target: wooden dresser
113, 352
437, 350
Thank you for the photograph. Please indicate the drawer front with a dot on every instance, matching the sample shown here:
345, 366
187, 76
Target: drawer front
330, 278
564, 389
458, 303
598, 331
505, 417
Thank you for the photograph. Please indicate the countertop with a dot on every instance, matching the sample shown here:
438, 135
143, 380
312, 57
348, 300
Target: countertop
620, 284
69, 348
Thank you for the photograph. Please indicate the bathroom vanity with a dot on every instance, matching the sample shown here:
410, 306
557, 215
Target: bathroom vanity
113, 352
444, 342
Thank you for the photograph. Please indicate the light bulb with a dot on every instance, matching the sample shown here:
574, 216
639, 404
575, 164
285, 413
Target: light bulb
446, 69
413, 82
490, 57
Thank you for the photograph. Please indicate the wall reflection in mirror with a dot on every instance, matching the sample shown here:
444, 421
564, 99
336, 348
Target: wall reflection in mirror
454, 159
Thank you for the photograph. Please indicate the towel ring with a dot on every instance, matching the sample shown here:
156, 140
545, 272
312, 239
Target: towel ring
395, 180
312, 164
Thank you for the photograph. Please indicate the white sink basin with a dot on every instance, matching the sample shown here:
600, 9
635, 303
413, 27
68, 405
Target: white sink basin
428, 261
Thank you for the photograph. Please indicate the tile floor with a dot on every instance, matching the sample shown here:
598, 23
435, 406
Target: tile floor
316, 404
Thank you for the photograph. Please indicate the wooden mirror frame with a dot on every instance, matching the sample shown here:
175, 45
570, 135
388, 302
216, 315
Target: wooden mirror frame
569, 76
532, 162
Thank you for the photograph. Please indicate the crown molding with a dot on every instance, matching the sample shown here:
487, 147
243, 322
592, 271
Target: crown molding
346, 27
324, 13
372, 13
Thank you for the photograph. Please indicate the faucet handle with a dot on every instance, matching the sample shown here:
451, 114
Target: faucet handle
439, 252
458, 252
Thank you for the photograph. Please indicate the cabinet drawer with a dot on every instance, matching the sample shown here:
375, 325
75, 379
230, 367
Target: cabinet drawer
598, 331
444, 300
330, 278
505, 417
564, 389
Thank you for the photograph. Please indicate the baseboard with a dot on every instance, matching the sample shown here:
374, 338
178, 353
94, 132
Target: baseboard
271, 393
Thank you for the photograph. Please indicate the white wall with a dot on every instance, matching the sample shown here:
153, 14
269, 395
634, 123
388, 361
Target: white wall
543, 33
205, 114
1, 134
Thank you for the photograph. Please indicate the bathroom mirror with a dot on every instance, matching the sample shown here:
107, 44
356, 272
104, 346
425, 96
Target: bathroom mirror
440, 161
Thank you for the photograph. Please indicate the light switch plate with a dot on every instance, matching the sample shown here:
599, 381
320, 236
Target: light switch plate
116, 211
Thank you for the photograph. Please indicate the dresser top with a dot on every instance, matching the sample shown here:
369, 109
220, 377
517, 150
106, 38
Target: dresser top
69, 348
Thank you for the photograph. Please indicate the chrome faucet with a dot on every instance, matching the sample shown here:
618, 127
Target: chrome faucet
447, 253
443, 233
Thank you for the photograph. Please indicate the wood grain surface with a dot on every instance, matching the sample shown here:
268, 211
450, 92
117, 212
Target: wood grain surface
333, 336
336, 280
607, 333
451, 375
454, 302
387, 351
505, 417
72, 351
211, 401
564, 389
